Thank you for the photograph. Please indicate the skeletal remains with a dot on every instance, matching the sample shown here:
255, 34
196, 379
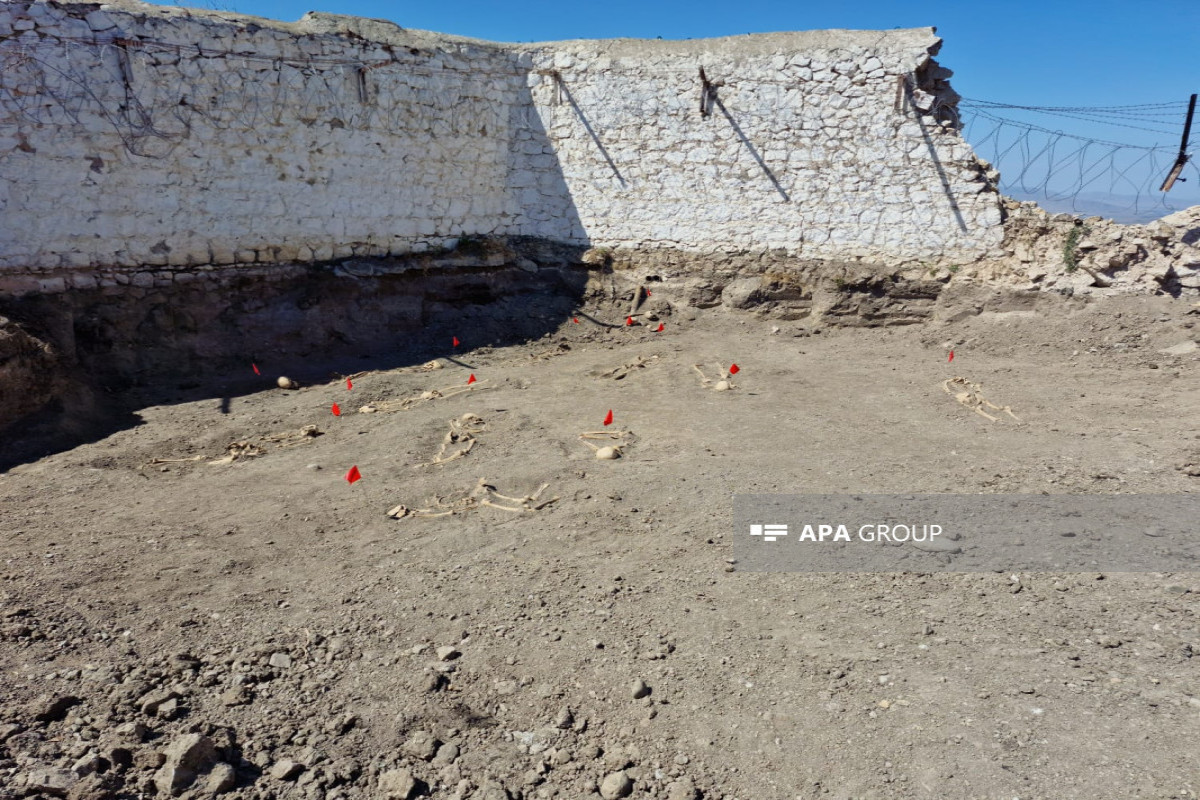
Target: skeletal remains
619, 373
973, 398
723, 385
461, 434
484, 494
244, 448
607, 452
405, 403
428, 366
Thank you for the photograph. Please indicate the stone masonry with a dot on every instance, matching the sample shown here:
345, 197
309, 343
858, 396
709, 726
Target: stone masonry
143, 145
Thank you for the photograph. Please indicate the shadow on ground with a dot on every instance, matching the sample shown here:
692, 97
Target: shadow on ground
121, 351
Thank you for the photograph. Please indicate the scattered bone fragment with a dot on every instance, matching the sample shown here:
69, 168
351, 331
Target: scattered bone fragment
721, 384
970, 395
405, 403
484, 494
607, 452
461, 436
619, 373
428, 366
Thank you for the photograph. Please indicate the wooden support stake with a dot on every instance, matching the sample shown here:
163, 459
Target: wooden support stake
123, 59
1182, 158
901, 81
362, 84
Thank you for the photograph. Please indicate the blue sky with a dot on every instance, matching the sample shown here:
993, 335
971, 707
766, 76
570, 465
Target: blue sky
1097, 53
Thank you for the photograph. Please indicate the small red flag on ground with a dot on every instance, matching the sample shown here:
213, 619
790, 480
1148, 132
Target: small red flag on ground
353, 475
456, 341
951, 358
337, 412
647, 293
608, 418
255, 367
629, 320
575, 320
471, 379
659, 328
734, 369
349, 384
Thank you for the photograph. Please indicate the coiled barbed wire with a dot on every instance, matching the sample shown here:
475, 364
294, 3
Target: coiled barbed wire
1060, 165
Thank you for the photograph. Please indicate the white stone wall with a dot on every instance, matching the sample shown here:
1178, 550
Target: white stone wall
134, 136
804, 148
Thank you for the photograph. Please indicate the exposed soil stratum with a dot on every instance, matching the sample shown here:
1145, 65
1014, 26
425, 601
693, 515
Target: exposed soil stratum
179, 616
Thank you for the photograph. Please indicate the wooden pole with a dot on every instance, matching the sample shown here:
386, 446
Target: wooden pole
1182, 158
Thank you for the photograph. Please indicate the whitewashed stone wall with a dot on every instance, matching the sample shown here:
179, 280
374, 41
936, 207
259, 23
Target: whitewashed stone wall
139, 143
810, 146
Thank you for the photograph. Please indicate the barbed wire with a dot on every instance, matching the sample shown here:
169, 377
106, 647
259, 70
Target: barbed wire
1061, 166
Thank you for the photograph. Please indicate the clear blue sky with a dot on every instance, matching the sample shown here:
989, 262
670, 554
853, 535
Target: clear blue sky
1049, 53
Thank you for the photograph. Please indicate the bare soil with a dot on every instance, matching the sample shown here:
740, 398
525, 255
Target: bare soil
277, 611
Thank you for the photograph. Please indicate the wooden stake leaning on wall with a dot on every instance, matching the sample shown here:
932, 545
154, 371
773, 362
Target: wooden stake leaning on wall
708, 93
901, 95
123, 46
1182, 158
361, 75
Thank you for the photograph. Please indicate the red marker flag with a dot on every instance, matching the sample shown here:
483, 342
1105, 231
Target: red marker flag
647, 293
629, 320
337, 412
575, 320
471, 379
951, 358
456, 341
608, 418
349, 384
255, 368
734, 369
659, 329
353, 475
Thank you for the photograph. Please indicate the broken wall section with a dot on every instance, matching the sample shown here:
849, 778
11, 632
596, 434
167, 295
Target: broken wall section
829, 145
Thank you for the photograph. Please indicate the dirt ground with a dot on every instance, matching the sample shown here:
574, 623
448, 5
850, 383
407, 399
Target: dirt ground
604, 645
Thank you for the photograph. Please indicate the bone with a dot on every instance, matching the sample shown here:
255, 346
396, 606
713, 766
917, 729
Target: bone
722, 384
973, 398
607, 452
484, 494
462, 433
428, 366
405, 403
619, 373
244, 448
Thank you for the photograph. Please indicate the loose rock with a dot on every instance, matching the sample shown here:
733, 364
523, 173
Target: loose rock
397, 784
615, 785
422, 745
286, 770
185, 759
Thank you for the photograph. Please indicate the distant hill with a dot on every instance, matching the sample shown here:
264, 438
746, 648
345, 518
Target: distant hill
1127, 209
